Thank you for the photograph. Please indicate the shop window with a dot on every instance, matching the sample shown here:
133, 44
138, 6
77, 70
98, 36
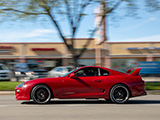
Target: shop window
123, 64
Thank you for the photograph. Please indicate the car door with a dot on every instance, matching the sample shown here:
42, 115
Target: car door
87, 83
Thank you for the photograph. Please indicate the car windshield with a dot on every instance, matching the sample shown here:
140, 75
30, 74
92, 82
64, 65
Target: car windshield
33, 66
3, 67
69, 69
69, 72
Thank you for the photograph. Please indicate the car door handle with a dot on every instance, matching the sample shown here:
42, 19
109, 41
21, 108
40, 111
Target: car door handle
97, 80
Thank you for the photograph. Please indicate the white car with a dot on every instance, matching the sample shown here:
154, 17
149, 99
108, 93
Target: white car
59, 71
5, 73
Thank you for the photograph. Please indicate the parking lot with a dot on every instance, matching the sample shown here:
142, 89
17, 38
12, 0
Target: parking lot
140, 108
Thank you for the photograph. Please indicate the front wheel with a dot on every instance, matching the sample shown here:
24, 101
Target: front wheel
41, 94
119, 94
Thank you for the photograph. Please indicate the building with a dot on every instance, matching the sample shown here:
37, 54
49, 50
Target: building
125, 55
49, 54
117, 55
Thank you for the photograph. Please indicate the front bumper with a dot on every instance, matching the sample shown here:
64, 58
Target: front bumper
22, 94
5, 78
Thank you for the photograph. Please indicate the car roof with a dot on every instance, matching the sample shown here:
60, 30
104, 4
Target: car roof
94, 67
108, 69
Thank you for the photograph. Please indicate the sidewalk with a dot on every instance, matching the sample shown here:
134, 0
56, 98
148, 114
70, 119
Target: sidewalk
151, 79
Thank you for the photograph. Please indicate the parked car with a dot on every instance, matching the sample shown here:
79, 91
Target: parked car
59, 71
84, 82
5, 73
29, 71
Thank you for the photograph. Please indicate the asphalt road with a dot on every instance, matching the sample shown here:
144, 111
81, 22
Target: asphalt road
139, 108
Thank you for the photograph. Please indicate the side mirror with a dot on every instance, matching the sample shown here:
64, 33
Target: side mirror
72, 75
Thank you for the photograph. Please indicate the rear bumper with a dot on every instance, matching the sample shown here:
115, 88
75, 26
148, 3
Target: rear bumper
145, 93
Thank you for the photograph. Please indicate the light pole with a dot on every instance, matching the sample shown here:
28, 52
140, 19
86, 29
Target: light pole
100, 23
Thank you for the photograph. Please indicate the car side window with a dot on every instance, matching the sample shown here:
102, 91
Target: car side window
87, 72
104, 72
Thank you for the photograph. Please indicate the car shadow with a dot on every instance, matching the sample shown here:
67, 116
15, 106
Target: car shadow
62, 102
143, 102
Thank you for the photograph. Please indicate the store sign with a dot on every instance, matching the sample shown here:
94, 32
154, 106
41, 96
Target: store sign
6, 47
43, 49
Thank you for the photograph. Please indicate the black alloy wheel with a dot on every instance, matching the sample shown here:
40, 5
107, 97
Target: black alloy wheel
119, 94
41, 94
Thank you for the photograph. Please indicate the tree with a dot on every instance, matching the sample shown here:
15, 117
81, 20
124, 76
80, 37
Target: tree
72, 10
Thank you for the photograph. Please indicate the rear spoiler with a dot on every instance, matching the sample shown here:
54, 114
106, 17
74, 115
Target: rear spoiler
132, 71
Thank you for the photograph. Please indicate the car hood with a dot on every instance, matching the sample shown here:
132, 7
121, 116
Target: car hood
43, 80
37, 70
5, 71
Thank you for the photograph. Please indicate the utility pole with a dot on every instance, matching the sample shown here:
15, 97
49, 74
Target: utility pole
101, 32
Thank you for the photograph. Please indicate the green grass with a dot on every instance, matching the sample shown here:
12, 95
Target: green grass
7, 86
153, 86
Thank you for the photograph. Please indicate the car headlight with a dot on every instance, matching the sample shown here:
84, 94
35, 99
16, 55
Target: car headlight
29, 73
17, 73
21, 85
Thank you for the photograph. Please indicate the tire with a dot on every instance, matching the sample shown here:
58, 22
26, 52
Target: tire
8, 80
119, 94
41, 94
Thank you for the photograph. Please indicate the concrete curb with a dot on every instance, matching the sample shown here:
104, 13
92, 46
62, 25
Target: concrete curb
7, 93
153, 92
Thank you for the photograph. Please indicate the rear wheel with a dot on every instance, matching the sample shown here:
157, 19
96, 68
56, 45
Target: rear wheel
41, 94
119, 94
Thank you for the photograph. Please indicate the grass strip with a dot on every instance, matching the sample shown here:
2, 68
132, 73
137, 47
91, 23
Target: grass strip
153, 86
8, 86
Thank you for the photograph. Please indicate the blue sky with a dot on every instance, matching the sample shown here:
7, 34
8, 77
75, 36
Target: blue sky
146, 28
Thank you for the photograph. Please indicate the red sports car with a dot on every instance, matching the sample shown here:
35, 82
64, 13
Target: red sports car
84, 82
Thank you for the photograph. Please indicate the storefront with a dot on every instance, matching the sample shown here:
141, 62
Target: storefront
126, 55
49, 55
116, 55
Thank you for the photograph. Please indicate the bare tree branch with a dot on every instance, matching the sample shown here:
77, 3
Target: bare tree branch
24, 12
69, 13
74, 23
79, 16
59, 30
114, 7
90, 37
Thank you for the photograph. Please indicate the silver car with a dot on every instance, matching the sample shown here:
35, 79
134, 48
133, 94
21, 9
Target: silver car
5, 73
59, 71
